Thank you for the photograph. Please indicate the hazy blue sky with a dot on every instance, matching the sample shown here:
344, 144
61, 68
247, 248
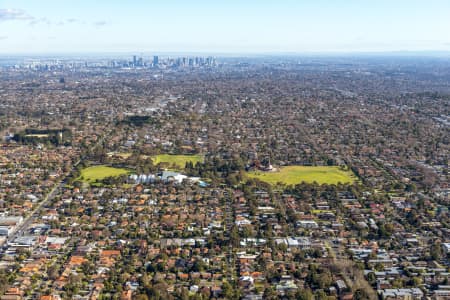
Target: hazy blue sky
244, 26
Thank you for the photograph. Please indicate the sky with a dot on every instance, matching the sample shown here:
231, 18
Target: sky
223, 26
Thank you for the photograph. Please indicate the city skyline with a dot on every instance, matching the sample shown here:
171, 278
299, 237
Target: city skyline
222, 27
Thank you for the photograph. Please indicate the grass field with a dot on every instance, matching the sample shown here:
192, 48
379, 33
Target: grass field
297, 174
91, 174
179, 160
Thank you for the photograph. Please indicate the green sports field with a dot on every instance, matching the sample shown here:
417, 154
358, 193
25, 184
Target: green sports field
91, 174
179, 160
297, 174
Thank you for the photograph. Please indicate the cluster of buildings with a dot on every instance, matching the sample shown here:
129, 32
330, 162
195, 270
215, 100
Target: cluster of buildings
168, 62
156, 62
386, 236
27, 175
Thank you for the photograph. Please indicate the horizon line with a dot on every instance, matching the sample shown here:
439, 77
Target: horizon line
433, 53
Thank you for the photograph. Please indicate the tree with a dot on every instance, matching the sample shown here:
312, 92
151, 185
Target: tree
436, 251
379, 266
371, 278
361, 294
53, 272
184, 295
397, 283
320, 295
270, 294
325, 280
227, 290
304, 294
234, 236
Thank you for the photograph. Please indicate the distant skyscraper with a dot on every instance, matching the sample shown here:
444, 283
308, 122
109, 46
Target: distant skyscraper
155, 60
134, 60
